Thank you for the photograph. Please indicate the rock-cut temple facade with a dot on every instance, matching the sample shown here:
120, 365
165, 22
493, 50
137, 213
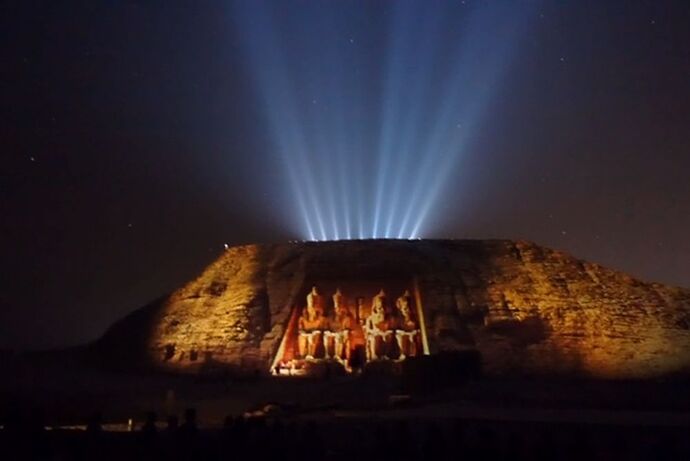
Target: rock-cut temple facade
288, 309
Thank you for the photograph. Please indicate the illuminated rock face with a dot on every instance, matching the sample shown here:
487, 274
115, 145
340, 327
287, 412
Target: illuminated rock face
526, 308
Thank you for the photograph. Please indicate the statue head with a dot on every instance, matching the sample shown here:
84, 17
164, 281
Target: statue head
339, 304
377, 304
337, 299
313, 302
403, 304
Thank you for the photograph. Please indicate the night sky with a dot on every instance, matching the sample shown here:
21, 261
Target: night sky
140, 137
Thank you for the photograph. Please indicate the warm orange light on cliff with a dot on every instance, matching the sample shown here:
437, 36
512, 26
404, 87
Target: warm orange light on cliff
521, 306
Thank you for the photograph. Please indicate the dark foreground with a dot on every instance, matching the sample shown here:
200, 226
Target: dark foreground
58, 413
353, 438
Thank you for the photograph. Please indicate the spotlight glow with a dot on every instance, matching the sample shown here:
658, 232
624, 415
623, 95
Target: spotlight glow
371, 124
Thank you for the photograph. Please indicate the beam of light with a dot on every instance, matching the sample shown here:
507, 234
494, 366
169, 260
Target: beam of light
390, 105
444, 143
287, 132
342, 171
388, 138
426, 50
372, 125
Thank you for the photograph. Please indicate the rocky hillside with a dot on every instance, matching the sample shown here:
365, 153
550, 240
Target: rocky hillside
526, 308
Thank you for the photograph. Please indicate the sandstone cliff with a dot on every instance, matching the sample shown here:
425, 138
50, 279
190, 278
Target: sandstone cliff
526, 308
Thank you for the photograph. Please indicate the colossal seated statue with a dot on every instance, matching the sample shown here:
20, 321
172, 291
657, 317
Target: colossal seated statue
378, 329
311, 326
407, 332
337, 340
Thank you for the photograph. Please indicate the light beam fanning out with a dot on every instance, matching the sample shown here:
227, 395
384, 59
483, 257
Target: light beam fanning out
370, 124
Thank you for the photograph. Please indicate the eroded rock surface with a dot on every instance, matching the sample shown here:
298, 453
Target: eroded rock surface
526, 308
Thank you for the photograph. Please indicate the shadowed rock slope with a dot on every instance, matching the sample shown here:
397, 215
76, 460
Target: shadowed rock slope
526, 308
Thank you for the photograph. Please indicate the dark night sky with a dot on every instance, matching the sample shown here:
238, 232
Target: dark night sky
133, 147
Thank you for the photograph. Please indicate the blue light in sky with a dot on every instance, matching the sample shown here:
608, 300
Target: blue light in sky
371, 108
